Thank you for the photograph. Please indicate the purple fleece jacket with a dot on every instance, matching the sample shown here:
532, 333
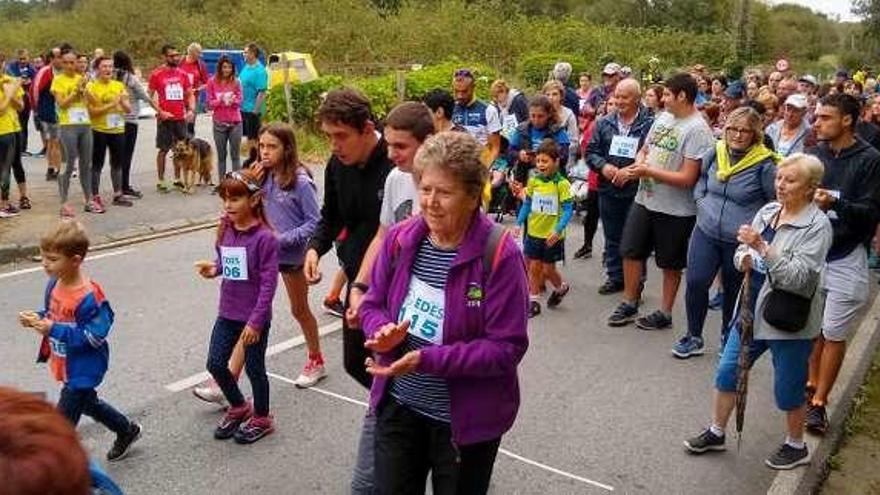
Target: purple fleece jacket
293, 213
484, 329
250, 300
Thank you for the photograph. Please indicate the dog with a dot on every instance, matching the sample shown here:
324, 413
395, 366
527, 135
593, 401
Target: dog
195, 158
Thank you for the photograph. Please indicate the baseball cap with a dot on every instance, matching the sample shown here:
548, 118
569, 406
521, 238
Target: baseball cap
797, 100
611, 69
809, 79
735, 91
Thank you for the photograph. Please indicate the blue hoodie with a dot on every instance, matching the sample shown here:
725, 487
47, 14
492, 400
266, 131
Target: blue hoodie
722, 207
84, 343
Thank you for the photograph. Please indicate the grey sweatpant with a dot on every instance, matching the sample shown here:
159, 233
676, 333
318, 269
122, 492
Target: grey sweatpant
76, 145
227, 134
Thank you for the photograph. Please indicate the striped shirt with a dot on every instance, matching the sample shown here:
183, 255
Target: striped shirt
427, 395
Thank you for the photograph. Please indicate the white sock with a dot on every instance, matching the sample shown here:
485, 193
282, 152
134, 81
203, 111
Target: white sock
797, 444
716, 430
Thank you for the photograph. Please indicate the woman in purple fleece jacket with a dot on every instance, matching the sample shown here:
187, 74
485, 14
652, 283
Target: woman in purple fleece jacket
447, 334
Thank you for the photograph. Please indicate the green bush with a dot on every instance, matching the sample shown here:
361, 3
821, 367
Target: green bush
419, 82
305, 99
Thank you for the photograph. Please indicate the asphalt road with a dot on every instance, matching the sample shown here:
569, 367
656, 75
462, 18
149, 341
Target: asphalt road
603, 409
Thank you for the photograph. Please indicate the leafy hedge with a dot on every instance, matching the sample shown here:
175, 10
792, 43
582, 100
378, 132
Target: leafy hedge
381, 90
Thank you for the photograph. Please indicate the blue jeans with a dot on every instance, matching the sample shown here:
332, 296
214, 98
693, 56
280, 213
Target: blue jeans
223, 339
790, 367
705, 257
613, 211
73, 403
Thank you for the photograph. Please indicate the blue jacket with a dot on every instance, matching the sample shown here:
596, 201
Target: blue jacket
722, 207
84, 343
598, 150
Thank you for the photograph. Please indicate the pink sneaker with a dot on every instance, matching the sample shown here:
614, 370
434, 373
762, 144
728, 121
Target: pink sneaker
312, 373
209, 391
93, 207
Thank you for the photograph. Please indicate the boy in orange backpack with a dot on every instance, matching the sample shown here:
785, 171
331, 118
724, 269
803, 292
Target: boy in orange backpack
75, 322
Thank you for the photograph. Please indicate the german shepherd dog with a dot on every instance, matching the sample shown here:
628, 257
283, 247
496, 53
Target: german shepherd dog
196, 159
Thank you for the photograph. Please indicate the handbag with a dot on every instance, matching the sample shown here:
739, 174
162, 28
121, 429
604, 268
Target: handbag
786, 310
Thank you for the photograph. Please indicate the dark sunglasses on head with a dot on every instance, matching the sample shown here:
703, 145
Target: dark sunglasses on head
251, 186
463, 73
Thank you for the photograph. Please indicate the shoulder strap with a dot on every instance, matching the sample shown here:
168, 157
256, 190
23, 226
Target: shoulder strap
492, 249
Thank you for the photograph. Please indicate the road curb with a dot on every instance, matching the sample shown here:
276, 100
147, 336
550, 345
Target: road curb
10, 253
859, 353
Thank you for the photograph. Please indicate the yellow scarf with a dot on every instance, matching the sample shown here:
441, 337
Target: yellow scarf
755, 155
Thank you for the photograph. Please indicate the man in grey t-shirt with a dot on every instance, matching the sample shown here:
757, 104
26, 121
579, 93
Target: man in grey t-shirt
663, 216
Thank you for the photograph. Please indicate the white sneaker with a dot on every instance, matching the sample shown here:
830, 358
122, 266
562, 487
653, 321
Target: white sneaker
312, 373
209, 391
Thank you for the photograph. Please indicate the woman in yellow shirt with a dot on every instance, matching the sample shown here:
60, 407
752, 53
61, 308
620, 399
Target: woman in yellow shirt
11, 101
108, 104
69, 90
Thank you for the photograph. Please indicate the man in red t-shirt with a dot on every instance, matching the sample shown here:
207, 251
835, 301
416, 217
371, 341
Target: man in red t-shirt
171, 87
195, 68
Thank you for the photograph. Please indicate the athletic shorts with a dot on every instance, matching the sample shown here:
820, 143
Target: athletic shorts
49, 129
250, 125
289, 268
667, 236
169, 131
846, 293
535, 248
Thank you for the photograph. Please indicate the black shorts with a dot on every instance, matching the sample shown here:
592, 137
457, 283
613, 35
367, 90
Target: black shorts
666, 235
250, 125
168, 132
535, 248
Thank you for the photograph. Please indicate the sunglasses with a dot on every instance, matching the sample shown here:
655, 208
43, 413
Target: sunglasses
251, 186
463, 73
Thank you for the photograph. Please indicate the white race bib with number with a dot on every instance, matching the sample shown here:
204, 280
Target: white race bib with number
78, 115
624, 146
115, 121
424, 307
234, 262
547, 204
174, 92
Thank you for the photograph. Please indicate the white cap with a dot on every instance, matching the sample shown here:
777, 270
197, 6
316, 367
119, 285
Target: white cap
809, 79
611, 69
797, 100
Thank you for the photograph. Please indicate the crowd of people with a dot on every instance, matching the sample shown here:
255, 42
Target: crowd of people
768, 186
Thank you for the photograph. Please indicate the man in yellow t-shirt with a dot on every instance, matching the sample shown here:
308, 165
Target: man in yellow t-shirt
11, 101
108, 103
69, 90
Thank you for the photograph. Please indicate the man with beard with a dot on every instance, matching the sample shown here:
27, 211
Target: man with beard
176, 105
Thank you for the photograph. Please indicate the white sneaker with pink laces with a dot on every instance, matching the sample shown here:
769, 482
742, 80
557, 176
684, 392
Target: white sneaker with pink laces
312, 373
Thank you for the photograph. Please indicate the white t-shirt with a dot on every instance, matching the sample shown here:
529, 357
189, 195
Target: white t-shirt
401, 199
670, 141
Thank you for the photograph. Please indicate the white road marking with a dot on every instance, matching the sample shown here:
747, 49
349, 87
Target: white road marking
501, 451
192, 381
88, 258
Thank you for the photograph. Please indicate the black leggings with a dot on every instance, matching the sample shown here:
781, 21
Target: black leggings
131, 135
591, 220
102, 142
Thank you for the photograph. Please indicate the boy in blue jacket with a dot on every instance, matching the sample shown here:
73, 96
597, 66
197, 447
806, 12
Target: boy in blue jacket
75, 322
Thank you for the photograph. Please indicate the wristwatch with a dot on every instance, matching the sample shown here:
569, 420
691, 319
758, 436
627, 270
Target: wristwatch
360, 286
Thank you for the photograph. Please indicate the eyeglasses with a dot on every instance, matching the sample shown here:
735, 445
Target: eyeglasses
251, 186
738, 131
463, 73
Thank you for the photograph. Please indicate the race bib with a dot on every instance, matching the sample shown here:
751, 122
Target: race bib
174, 92
234, 261
115, 121
423, 307
547, 204
78, 115
624, 146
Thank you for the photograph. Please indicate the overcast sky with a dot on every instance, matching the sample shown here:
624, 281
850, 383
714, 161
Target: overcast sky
831, 7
